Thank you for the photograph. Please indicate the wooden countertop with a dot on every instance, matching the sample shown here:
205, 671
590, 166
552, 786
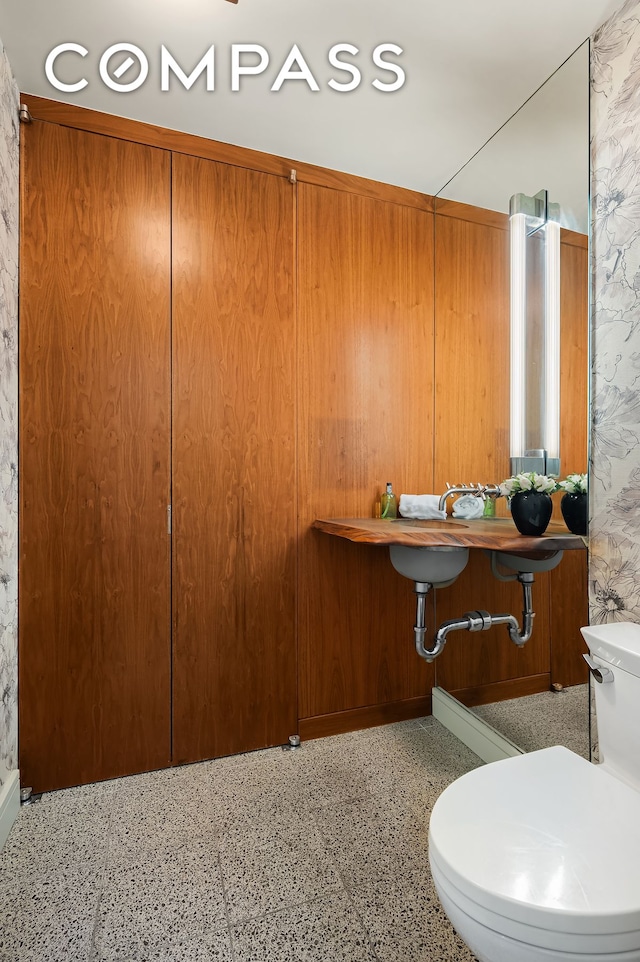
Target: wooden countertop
498, 534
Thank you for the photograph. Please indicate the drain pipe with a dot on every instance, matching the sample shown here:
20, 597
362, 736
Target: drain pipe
473, 620
422, 588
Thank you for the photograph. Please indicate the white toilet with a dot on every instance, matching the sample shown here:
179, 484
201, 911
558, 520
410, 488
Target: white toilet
537, 858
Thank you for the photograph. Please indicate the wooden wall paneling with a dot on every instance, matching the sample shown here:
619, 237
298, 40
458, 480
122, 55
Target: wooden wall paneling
569, 604
234, 476
353, 719
94, 457
486, 694
365, 381
472, 353
467, 212
472, 443
574, 363
95, 121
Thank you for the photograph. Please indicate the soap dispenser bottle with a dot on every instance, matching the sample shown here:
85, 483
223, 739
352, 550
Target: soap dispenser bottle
389, 503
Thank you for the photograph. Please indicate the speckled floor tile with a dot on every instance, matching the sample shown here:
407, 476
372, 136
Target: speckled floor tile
159, 945
237, 805
408, 765
323, 930
47, 924
23, 874
331, 771
254, 784
328, 776
174, 789
168, 858
162, 897
291, 867
431, 746
179, 784
374, 839
242, 825
140, 823
420, 764
73, 799
43, 838
322, 854
543, 720
405, 921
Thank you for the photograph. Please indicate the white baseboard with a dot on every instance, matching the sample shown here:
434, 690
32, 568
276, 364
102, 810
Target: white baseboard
481, 738
9, 805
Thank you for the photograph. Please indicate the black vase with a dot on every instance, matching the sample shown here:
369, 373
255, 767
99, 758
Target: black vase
531, 511
574, 509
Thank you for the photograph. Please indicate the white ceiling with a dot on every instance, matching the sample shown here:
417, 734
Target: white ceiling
469, 65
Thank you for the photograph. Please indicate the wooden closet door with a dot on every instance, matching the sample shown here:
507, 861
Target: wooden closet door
234, 667
94, 457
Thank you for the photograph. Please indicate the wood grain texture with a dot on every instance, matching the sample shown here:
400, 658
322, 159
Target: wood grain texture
499, 534
471, 354
572, 238
574, 362
94, 458
472, 437
234, 337
338, 180
94, 121
569, 605
348, 721
467, 212
365, 377
503, 690
495, 218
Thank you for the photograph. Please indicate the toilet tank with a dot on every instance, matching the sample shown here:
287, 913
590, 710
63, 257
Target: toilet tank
617, 647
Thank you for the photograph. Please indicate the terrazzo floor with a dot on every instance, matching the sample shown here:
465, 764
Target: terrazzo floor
540, 721
312, 855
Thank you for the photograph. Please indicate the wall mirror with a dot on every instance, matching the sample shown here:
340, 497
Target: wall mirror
544, 145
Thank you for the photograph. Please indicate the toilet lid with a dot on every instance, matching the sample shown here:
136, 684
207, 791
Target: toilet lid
547, 839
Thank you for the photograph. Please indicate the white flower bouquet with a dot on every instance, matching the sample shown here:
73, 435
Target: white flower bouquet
528, 482
575, 484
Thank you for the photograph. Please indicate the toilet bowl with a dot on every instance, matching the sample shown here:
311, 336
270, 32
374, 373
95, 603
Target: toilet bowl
537, 857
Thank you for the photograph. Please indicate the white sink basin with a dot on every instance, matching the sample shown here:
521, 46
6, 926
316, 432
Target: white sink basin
437, 566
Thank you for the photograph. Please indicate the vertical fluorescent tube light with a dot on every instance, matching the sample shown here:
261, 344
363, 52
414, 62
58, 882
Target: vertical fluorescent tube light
551, 439
518, 231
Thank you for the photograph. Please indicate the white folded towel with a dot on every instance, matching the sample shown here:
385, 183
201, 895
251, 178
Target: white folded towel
422, 506
468, 506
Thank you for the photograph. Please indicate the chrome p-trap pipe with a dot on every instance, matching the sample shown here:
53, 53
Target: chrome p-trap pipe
473, 620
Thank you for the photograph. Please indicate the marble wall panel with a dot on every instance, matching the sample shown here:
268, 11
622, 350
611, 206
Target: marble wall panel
9, 184
614, 567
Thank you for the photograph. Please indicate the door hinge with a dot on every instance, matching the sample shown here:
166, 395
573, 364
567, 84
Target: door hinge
168, 519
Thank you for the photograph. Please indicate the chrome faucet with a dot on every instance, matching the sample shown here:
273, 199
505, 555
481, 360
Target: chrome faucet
479, 490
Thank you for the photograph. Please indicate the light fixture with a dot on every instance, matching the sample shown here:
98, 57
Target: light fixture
535, 335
